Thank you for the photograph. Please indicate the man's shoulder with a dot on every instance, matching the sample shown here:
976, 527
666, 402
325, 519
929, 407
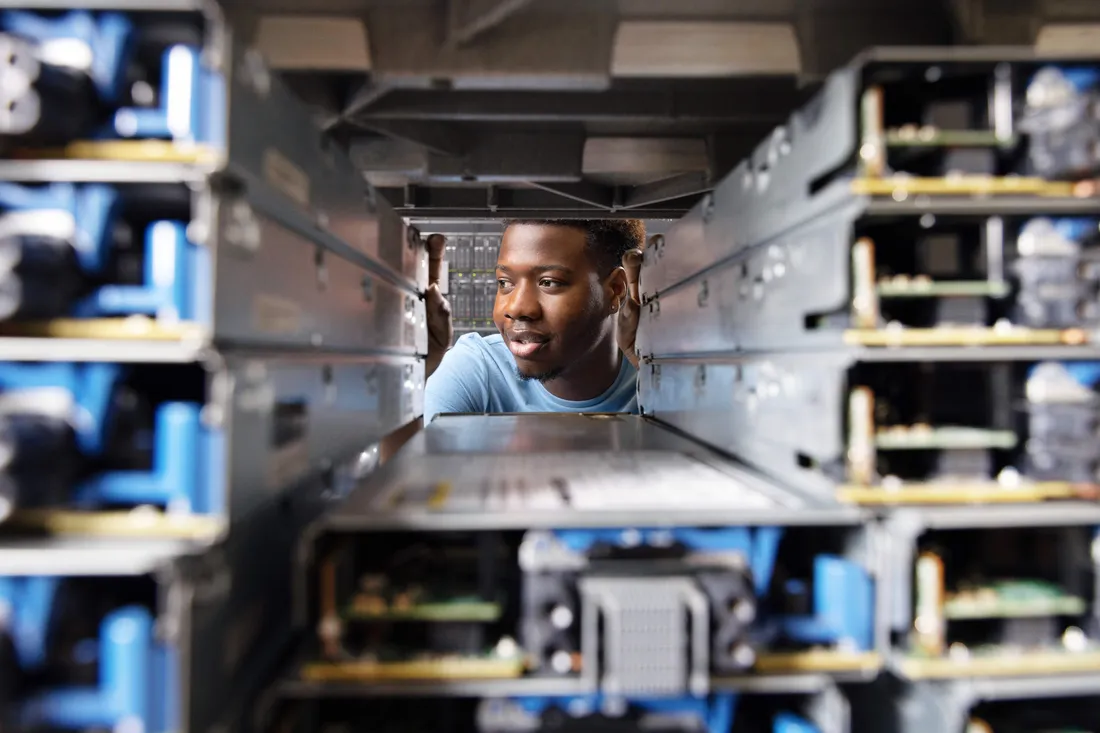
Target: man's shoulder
491, 346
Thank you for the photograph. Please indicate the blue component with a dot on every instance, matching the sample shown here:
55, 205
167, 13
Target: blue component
1075, 229
174, 480
168, 292
28, 602
109, 37
89, 384
177, 277
788, 723
91, 206
758, 544
843, 606
717, 711
1082, 78
135, 673
192, 106
185, 452
186, 113
1085, 373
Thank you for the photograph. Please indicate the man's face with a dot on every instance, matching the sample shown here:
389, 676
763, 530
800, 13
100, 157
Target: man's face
552, 306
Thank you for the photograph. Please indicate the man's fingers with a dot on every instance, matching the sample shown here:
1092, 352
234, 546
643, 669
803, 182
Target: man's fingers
632, 263
437, 245
435, 301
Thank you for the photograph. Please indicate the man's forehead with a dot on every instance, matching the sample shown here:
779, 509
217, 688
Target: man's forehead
542, 244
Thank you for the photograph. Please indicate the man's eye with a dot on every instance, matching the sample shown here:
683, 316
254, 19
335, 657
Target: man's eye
501, 284
548, 283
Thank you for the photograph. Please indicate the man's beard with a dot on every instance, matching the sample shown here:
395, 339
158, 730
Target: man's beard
540, 376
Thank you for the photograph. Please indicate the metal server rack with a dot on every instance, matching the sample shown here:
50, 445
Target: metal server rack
208, 319
470, 282
892, 303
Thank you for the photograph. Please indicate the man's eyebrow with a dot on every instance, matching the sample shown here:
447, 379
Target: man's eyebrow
539, 269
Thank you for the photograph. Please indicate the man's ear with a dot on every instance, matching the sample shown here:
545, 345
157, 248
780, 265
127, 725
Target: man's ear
618, 289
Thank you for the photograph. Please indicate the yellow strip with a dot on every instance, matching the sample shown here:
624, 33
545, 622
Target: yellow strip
439, 497
136, 524
113, 329
953, 336
134, 151
949, 493
817, 660
1016, 665
419, 670
965, 185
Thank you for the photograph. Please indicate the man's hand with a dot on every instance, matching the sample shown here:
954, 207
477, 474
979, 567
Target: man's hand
440, 328
631, 308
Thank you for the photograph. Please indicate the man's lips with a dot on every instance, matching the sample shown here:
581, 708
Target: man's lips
526, 345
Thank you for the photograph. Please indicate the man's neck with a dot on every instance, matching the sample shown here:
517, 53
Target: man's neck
590, 377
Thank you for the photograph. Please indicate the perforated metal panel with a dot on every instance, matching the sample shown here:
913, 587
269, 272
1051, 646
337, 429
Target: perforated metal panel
651, 633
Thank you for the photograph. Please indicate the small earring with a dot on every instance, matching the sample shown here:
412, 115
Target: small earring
615, 306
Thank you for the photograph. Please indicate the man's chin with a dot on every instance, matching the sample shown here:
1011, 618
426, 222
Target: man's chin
537, 372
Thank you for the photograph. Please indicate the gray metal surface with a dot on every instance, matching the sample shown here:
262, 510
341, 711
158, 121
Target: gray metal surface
287, 418
758, 300
101, 171
235, 623
296, 689
562, 470
945, 706
72, 557
830, 711
761, 298
783, 415
279, 289
310, 173
97, 350
769, 191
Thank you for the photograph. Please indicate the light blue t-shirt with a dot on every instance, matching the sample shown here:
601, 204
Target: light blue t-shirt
478, 375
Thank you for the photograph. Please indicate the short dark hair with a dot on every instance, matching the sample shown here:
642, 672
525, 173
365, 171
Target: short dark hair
608, 239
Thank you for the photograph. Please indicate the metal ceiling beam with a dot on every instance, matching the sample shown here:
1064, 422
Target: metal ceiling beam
496, 203
759, 100
505, 157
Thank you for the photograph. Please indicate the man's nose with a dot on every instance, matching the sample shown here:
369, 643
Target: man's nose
523, 303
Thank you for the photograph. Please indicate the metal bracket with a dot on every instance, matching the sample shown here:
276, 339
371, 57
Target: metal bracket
895, 600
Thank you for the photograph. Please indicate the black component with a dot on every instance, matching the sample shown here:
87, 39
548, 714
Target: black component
38, 460
732, 611
39, 277
42, 104
549, 600
130, 433
32, 441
